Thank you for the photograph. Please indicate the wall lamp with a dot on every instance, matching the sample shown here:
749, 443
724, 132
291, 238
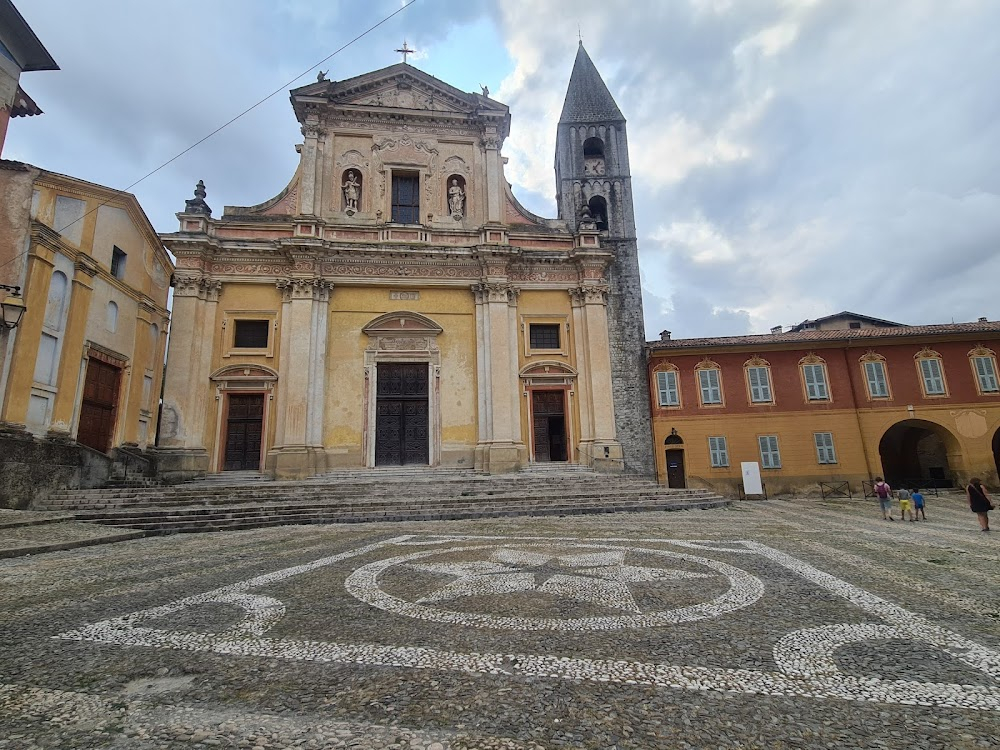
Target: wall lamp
12, 308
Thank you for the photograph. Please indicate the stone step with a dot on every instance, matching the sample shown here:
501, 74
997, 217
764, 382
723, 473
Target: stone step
206, 509
506, 494
307, 489
259, 517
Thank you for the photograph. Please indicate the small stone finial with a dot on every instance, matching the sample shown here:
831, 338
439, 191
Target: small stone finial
197, 205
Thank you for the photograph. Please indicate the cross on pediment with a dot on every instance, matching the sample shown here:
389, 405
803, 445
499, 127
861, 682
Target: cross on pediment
404, 50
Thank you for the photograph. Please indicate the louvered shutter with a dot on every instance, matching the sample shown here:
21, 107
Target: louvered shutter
824, 448
719, 451
878, 387
933, 380
710, 391
760, 384
987, 375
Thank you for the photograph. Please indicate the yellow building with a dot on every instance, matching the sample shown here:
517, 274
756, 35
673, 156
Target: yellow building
85, 363
395, 304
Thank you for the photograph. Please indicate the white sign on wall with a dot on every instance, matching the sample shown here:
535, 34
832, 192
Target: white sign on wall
751, 478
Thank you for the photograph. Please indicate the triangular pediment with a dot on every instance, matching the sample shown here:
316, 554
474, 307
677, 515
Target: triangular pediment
402, 323
399, 86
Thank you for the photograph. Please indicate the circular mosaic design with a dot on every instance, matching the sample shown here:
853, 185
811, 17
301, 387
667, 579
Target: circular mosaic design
584, 575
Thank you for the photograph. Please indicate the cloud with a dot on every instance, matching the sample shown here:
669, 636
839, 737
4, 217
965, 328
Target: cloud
791, 158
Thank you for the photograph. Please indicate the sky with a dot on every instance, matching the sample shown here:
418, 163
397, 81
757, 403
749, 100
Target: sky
790, 158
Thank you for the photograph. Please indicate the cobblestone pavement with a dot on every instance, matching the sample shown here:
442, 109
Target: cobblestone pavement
782, 624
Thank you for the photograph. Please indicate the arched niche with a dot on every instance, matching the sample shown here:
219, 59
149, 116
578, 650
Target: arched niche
456, 196
351, 190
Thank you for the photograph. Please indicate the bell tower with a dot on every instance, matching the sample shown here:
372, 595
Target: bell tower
594, 186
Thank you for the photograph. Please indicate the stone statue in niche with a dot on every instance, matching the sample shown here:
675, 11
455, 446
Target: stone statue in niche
456, 200
352, 193
587, 221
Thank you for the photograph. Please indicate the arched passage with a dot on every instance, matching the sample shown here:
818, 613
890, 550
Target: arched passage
919, 452
996, 451
674, 445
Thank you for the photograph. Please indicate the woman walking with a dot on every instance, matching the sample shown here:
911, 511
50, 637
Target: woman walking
979, 502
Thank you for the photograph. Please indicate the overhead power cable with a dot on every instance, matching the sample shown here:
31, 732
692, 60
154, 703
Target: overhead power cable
225, 125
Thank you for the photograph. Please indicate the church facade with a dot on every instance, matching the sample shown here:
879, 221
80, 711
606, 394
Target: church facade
395, 304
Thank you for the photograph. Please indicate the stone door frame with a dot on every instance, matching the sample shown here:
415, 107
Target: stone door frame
243, 380
406, 338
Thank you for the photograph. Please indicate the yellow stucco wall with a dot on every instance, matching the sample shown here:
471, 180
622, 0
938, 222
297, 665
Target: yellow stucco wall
78, 224
354, 307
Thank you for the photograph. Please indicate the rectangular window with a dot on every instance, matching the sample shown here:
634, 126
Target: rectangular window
986, 373
719, 451
711, 392
543, 335
118, 257
878, 386
770, 458
666, 386
760, 385
815, 376
251, 334
930, 369
406, 198
824, 448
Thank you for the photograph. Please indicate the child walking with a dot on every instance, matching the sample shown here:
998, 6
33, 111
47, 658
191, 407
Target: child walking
905, 505
918, 504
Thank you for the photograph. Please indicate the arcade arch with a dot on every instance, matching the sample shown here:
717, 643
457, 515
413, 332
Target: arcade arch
917, 451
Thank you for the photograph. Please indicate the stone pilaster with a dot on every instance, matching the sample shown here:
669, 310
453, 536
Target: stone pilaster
601, 448
187, 388
298, 449
501, 448
73, 340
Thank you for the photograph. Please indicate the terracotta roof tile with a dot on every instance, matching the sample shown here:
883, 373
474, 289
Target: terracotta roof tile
847, 334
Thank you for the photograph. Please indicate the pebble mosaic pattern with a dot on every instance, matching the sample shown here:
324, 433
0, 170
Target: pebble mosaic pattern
582, 573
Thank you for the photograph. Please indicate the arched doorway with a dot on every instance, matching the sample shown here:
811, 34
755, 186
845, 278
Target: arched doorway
996, 451
675, 460
917, 452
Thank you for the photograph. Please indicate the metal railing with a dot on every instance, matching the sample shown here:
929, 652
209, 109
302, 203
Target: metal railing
836, 489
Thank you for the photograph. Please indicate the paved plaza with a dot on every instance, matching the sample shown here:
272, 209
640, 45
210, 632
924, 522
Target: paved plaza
780, 624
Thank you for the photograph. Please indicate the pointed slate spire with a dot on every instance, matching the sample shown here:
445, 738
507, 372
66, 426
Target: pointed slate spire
587, 97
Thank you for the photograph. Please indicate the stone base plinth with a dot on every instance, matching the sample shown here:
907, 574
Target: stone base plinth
499, 458
295, 461
175, 465
602, 455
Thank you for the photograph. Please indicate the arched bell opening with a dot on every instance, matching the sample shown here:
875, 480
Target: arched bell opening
599, 211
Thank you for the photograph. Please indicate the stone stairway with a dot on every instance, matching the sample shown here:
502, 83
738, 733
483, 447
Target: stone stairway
390, 494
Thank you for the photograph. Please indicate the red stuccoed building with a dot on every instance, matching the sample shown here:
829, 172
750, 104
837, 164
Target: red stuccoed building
843, 398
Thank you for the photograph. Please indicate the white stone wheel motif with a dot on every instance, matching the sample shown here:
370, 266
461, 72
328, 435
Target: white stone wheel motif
744, 589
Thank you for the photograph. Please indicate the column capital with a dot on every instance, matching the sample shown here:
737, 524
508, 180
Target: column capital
495, 292
313, 288
197, 286
592, 294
